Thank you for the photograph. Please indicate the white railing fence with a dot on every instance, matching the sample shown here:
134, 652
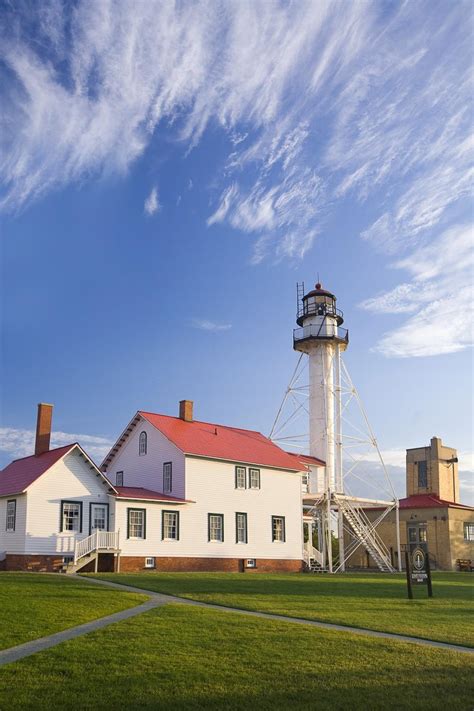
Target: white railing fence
99, 540
310, 552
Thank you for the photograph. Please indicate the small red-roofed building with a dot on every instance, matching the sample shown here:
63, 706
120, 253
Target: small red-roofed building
431, 512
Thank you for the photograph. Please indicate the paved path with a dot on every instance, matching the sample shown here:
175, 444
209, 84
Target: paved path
296, 620
13, 654
37, 645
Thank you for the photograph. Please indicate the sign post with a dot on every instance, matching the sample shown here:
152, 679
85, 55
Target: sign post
418, 570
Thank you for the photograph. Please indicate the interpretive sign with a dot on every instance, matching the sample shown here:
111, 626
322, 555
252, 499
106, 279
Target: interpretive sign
417, 564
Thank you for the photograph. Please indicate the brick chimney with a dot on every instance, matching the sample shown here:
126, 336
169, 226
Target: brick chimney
186, 410
43, 428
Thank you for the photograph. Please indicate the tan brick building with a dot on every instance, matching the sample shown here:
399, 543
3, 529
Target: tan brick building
430, 512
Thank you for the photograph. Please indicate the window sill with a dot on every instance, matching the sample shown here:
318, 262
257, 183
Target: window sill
170, 540
219, 542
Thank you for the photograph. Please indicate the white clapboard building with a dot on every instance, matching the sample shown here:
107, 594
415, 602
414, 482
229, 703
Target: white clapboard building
172, 494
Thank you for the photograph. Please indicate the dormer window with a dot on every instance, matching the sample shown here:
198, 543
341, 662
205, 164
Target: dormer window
142, 444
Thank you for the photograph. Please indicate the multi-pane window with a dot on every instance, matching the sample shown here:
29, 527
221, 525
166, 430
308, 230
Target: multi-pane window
170, 525
254, 478
241, 527
136, 523
119, 479
469, 531
412, 537
11, 515
305, 483
167, 476
422, 474
278, 528
99, 516
216, 527
71, 517
240, 475
142, 444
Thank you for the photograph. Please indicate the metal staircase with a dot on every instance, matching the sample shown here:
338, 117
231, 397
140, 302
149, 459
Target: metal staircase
366, 534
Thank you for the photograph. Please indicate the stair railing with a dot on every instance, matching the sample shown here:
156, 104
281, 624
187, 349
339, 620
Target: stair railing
99, 540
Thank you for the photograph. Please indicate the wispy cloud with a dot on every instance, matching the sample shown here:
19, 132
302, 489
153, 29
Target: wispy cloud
440, 296
206, 325
21, 443
152, 204
322, 103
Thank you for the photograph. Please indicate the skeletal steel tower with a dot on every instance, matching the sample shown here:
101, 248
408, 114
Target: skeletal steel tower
321, 339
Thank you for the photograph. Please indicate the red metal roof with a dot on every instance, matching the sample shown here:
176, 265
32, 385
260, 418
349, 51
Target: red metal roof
307, 459
428, 501
221, 442
21, 473
136, 492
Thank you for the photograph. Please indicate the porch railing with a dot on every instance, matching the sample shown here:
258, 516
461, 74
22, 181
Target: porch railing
99, 540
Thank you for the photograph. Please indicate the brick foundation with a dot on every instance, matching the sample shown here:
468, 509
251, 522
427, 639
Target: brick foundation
135, 564
35, 563
54, 563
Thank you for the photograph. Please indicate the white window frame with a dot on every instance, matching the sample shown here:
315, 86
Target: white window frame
167, 477
168, 528
136, 525
468, 530
213, 518
142, 443
240, 477
68, 515
252, 472
251, 563
278, 531
239, 529
10, 523
149, 562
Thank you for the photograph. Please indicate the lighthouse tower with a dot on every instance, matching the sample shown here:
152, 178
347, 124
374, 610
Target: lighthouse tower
328, 504
321, 337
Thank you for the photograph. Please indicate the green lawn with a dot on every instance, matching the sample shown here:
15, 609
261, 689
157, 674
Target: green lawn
33, 605
374, 601
178, 657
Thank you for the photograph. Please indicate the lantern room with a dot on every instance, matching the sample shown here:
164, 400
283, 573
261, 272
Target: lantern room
318, 302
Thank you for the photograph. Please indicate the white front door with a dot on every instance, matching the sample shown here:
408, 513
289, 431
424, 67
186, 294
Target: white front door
99, 516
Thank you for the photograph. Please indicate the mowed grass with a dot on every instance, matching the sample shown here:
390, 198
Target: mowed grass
178, 657
33, 605
374, 601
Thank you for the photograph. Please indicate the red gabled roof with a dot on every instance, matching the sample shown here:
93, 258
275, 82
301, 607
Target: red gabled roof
305, 459
204, 439
428, 501
137, 492
19, 474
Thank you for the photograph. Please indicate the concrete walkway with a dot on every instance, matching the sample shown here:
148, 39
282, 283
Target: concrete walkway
13, 654
295, 620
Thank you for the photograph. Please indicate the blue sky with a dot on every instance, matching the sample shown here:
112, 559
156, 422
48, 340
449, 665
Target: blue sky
170, 171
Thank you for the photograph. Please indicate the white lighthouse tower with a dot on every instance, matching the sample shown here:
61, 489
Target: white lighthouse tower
327, 504
322, 338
